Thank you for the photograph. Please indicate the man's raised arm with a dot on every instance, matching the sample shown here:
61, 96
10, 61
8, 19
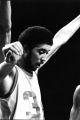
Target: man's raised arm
5, 24
64, 34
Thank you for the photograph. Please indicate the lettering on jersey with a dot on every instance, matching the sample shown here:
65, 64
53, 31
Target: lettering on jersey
31, 96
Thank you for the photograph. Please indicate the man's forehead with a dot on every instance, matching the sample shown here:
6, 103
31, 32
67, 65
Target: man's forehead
45, 46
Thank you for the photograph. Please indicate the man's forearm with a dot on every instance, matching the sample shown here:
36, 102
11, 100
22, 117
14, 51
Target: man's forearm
5, 15
64, 34
5, 25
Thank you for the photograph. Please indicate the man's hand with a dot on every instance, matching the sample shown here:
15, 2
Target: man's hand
12, 52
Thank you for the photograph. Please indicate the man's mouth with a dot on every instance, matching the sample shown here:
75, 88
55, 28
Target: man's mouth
38, 64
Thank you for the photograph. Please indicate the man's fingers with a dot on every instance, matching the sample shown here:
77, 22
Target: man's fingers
15, 47
18, 47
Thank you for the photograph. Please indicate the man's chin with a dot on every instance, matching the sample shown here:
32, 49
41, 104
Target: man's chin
36, 67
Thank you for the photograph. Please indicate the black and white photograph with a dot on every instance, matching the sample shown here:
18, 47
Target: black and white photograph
39, 59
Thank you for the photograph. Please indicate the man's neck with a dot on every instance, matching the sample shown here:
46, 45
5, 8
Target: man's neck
29, 72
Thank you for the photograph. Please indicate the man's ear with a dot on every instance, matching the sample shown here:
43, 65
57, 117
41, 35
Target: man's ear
26, 52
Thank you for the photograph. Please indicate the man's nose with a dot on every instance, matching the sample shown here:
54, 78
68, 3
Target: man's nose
42, 60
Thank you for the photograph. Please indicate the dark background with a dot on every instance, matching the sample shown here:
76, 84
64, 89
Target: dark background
60, 76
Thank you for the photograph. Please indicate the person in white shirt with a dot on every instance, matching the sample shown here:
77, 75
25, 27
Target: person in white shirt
75, 110
20, 96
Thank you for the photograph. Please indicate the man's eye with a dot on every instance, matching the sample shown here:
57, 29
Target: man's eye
41, 51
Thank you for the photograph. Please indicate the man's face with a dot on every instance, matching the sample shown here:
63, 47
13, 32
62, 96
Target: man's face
39, 55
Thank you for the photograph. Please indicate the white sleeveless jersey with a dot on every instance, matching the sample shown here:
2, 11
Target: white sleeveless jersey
29, 106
